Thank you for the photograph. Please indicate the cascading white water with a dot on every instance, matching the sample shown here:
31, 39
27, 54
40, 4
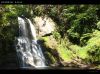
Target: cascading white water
33, 31
28, 50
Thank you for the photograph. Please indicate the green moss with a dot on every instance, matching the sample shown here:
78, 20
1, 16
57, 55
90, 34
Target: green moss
83, 53
61, 48
49, 46
51, 58
67, 51
64, 53
45, 39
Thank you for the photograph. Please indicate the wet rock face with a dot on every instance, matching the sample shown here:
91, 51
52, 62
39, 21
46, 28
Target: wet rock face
44, 25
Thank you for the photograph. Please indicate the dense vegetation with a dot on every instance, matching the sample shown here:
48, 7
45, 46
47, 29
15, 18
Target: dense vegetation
77, 33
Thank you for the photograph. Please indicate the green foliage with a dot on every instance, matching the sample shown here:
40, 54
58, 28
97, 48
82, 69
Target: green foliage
62, 49
94, 43
85, 38
80, 24
73, 34
74, 20
76, 31
82, 53
38, 10
56, 35
51, 58
91, 52
65, 54
98, 25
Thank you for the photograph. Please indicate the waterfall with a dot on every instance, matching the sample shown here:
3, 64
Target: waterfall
33, 31
28, 50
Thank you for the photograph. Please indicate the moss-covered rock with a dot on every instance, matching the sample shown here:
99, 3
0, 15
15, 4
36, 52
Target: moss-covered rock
49, 45
56, 52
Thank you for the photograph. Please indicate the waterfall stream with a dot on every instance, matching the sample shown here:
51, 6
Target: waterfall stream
28, 50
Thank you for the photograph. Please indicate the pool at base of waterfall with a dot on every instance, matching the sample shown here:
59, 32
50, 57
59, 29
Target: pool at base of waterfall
52, 68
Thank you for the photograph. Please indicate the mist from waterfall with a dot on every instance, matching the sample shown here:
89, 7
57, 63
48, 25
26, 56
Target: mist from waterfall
28, 50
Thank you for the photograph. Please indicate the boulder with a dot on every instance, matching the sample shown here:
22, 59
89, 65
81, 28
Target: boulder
44, 25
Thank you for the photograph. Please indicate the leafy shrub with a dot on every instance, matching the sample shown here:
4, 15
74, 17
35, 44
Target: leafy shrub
56, 35
98, 25
93, 47
85, 38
